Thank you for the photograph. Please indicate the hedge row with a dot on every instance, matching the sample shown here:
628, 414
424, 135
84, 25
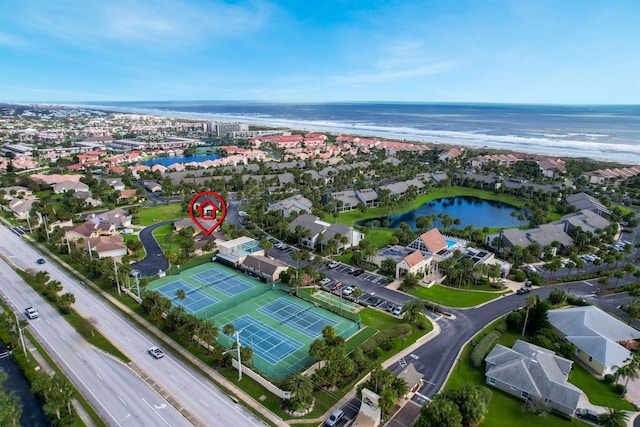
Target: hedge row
483, 347
383, 336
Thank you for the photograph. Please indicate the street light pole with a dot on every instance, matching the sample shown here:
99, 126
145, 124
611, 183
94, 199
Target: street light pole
115, 267
24, 347
239, 360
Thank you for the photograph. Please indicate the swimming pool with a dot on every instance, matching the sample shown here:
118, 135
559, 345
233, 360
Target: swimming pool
450, 243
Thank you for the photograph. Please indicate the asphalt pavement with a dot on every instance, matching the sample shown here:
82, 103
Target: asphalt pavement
154, 260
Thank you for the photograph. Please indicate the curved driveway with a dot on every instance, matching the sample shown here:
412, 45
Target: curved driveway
155, 260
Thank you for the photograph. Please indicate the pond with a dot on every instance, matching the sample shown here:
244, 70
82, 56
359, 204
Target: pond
469, 210
168, 161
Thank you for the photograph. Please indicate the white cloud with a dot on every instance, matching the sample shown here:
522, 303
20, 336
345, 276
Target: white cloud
150, 23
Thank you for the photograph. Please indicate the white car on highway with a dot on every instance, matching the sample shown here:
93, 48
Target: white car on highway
156, 352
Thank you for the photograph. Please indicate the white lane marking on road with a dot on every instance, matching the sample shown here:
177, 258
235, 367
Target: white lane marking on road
78, 354
422, 396
63, 338
154, 410
205, 403
590, 284
101, 379
119, 398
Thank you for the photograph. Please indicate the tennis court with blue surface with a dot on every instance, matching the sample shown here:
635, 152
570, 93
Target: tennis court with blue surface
297, 316
195, 300
277, 326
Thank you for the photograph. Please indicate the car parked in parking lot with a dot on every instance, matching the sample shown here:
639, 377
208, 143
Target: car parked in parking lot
397, 310
336, 287
358, 272
325, 281
333, 264
348, 290
279, 245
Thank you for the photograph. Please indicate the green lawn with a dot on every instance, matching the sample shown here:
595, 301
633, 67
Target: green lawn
452, 297
362, 335
160, 233
380, 320
599, 392
505, 410
153, 215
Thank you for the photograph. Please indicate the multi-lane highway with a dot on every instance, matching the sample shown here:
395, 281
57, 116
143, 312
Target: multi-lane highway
118, 399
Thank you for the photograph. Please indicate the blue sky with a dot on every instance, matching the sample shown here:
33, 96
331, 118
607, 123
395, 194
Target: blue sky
521, 51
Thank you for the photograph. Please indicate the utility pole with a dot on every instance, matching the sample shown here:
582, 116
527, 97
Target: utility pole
24, 347
115, 267
46, 227
239, 361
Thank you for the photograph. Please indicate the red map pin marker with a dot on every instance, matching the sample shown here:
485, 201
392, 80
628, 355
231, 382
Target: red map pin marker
204, 208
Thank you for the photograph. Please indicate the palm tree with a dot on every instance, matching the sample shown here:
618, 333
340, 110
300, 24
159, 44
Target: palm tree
182, 295
412, 310
532, 302
614, 418
66, 301
208, 332
300, 386
229, 330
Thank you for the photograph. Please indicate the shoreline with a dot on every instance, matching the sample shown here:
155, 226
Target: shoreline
543, 145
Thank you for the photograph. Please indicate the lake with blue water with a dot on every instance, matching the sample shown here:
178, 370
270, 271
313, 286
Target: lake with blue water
168, 161
470, 210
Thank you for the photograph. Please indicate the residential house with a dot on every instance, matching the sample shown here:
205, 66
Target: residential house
64, 186
153, 186
528, 371
21, 208
128, 195
611, 176
15, 191
597, 336
264, 267
310, 228
544, 235
585, 219
117, 217
291, 204
450, 154
106, 246
88, 198
349, 200
115, 183
179, 224
88, 230
551, 167
583, 201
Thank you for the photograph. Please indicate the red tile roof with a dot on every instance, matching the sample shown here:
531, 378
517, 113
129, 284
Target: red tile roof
434, 241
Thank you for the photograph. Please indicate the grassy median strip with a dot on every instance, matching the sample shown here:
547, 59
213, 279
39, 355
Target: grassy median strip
84, 327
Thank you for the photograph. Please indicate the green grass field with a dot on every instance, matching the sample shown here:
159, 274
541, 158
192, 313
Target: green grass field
452, 297
155, 214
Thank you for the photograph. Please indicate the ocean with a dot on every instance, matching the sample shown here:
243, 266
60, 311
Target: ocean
603, 132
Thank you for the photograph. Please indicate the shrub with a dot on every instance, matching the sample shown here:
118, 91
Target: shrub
535, 280
482, 348
557, 296
483, 281
375, 341
377, 353
514, 320
501, 327
520, 276
574, 300
399, 330
620, 389
609, 378
423, 325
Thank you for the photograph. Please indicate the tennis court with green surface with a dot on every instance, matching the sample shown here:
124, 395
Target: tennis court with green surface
277, 326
